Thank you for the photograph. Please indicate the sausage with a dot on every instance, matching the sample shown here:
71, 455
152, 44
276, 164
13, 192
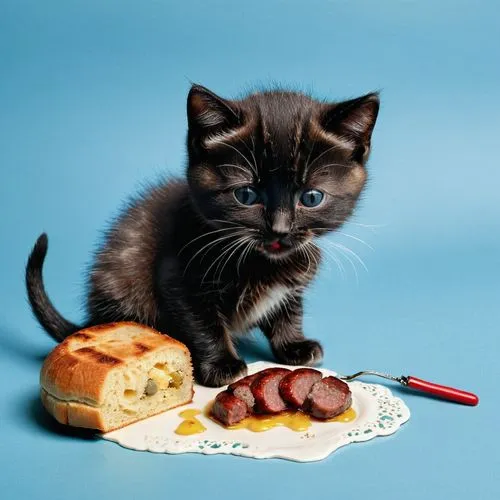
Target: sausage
265, 390
273, 390
295, 386
328, 398
241, 389
228, 409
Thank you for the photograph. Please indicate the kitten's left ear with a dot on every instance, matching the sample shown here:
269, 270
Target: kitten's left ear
353, 121
208, 112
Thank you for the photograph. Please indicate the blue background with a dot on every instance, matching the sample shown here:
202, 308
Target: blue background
92, 101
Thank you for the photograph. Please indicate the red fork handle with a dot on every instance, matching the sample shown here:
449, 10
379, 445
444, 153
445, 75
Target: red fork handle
466, 398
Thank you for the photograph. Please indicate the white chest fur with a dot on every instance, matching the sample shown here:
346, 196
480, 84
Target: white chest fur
268, 302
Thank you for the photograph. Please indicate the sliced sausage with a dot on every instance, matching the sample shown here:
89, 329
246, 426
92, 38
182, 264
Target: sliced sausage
295, 386
328, 398
265, 390
241, 389
228, 409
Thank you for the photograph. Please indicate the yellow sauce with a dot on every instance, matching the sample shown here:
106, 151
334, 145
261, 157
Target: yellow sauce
190, 425
296, 421
346, 417
293, 420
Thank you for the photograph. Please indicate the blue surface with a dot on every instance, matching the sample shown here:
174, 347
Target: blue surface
92, 103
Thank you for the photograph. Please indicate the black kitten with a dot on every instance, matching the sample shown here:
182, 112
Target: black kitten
234, 246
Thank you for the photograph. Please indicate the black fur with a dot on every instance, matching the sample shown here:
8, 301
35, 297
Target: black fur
188, 259
42, 307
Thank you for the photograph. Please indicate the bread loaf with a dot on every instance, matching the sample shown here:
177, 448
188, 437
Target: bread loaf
109, 376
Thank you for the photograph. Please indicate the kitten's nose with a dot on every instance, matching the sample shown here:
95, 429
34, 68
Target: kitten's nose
280, 226
282, 223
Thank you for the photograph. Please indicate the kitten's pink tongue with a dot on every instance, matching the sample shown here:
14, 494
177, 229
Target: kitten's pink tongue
275, 245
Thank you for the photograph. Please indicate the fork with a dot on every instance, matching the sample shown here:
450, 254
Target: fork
442, 391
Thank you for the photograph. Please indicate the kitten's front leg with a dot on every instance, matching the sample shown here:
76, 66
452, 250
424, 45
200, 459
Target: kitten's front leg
199, 326
284, 332
215, 361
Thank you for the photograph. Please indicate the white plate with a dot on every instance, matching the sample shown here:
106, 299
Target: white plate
378, 413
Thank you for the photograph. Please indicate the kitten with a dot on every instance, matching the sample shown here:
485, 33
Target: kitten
232, 247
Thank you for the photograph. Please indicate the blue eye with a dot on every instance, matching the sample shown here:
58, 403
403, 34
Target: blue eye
311, 198
246, 195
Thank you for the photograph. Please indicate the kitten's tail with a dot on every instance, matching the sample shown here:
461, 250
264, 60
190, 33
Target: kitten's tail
55, 325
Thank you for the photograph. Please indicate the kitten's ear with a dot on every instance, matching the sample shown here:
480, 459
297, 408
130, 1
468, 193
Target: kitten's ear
207, 112
353, 120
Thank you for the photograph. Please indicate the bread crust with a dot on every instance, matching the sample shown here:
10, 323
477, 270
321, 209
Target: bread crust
73, 413
77, 367
73, 374
78, 414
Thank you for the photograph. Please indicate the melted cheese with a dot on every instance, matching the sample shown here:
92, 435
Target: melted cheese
164, 378
161, 377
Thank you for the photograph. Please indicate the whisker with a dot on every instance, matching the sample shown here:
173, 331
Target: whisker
351, 262
222, 221
327, 166
347, 222
354, 254
224, 249
203, 235
347, 235
235, 224
314, 257
239, 167
323, 154
308, 249
243, 241
208, 245
236, 184
353, 265
250, 150
243, 156
336, 231
305, 253
244, 255
368, 226
253, 151
309, 156
326, 261
235, 245
337, 261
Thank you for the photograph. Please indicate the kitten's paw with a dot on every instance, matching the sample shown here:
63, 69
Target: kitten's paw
220, 372
304, 352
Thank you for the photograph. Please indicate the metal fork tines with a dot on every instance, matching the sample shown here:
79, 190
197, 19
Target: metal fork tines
348, 378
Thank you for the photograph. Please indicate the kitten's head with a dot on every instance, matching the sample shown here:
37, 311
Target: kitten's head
277, 168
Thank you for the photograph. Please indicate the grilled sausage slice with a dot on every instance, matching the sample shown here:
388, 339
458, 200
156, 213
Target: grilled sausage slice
241, 389
265, 390
228, 409
295, 386
328, 398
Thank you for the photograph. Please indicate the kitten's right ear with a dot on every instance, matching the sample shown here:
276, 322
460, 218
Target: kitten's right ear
353, 119
208, 113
